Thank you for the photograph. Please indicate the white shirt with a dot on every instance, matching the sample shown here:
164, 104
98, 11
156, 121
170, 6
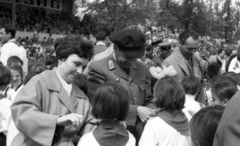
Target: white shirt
190, 106
89, 140
234, 66
5, 115
11, 49
158, 133
66, 86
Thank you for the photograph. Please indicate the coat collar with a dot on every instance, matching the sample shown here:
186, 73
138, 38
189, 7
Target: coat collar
119, 71
53, 83
181, 61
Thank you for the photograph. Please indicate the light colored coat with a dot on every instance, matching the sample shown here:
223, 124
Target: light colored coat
177, 60
38, 106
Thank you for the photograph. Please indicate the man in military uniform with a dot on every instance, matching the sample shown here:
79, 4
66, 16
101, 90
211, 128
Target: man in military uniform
165, 51
123, 68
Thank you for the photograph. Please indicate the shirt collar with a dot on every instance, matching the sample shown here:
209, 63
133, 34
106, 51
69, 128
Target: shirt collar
12, 40
101, 43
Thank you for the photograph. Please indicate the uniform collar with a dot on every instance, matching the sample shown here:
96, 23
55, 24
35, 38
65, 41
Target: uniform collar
11, 40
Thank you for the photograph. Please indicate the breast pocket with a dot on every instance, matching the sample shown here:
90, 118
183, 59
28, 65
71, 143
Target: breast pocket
138, 91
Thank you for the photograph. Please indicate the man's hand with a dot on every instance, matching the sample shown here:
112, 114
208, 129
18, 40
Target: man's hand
70, 119
214, 59
145, 113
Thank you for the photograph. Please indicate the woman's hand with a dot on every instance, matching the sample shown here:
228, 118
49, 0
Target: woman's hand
70, 120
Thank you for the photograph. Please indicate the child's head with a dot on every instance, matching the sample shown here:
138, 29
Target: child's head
191, 84
233, 76
5, 77
204, 124
169, 94
14, 60
222, 92
110, 102
17, 74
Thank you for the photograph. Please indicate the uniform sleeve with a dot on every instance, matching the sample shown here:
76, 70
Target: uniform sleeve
95, 80
30, 119
148, 92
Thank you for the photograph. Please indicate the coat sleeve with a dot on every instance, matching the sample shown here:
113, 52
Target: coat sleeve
95, 80
29, 117
148, 91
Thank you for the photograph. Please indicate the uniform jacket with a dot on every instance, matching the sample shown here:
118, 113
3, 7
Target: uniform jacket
137, 83
228, 130
177, 60
38, 106
12, 48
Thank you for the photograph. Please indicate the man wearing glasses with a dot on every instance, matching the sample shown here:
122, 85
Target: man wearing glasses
186, 60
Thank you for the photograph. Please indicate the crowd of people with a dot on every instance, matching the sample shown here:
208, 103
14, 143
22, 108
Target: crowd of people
38, 19
144, 88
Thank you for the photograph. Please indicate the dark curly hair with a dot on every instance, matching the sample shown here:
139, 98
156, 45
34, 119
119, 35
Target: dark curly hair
74, 44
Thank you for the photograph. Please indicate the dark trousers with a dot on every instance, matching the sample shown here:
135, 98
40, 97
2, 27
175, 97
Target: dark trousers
2, 139
137, 130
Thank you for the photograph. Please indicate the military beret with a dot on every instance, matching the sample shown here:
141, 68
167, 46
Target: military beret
130, 42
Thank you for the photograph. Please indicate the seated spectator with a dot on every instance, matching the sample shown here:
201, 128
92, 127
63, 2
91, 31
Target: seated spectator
171, 124
192, 85
204, 124
109, 130
50, 62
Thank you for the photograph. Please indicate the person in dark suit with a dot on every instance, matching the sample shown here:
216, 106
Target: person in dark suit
186, 61
101, 44
123, 68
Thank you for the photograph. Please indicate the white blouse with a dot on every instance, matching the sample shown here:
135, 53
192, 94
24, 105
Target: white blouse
158, 133
89, 140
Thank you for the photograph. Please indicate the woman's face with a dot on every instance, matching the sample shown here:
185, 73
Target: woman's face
16, 77
217, 101
72, 66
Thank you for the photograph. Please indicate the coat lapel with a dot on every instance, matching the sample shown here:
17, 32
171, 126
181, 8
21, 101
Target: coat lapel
55, 85
132, 72
181, 61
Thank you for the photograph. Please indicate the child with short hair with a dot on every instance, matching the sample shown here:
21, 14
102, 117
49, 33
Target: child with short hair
171, 126
192, 86
110, 105
204, 124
